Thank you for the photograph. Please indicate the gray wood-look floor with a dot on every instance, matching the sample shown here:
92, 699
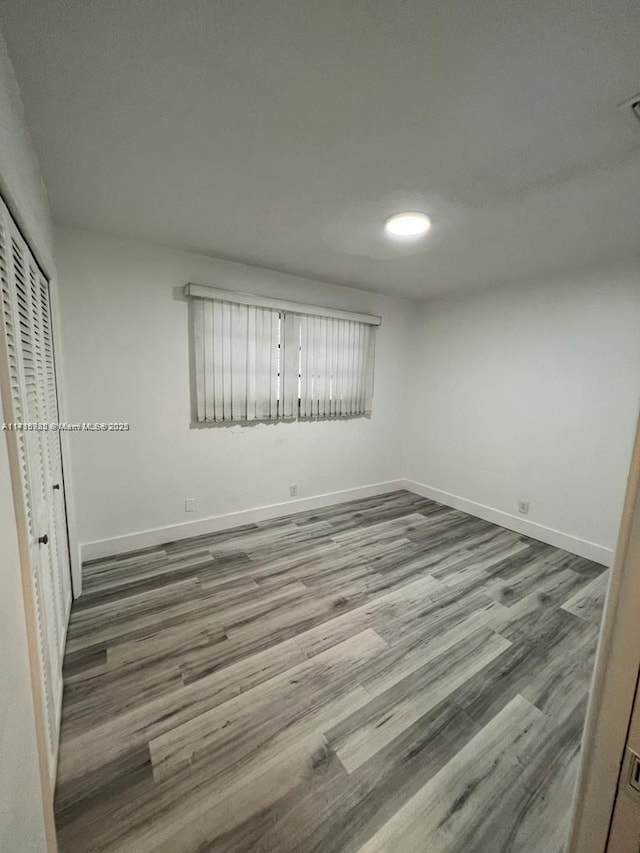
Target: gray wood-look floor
384, 675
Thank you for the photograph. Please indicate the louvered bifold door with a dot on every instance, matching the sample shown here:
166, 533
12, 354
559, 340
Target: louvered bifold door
35, 458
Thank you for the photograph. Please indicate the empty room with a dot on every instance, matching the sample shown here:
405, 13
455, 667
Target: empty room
319, 466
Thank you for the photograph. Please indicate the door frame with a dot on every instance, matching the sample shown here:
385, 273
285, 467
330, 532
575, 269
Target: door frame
75, 561
613, 687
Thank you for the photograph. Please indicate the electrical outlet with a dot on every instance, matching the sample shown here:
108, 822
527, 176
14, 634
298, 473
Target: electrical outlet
293, 490
523, 507
189, 504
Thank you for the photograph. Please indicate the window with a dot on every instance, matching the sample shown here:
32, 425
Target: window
271, 361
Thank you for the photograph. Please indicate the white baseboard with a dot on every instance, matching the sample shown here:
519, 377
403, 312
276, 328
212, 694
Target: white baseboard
581, 547
159, 535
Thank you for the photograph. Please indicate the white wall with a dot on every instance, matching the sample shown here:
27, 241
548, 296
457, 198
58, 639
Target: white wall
125, 334
523, 393
531, 393
21, 810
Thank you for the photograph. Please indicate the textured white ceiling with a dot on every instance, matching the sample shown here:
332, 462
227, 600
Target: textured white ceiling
283, 132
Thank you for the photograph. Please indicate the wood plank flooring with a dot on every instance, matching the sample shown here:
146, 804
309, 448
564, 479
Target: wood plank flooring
383, 675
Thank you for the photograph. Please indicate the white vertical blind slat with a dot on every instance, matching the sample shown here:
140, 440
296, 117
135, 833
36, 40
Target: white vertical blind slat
340, 367
313, 367
310, 352
369, 372
357, 368
347, 368
362, 392
276, 359
324, 390
205, 348
290, 359
304, 372
334, 368
361, 367
227, 354
265, 355
351, 368
311, 405
216, 368
300, 324
238, 365
318, 379
251, 374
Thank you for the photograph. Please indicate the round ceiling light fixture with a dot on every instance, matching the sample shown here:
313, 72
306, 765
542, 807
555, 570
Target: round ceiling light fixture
408, 225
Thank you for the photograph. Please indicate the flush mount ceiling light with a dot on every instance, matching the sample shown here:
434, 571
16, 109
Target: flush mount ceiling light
410, 224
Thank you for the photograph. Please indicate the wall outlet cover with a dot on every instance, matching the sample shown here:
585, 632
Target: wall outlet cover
293, 490
189, 504
523, 507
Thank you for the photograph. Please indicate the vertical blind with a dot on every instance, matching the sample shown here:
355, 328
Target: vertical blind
255, 363
237, 360
335, 365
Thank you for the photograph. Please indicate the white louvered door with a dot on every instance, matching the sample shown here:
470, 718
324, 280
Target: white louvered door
32, 399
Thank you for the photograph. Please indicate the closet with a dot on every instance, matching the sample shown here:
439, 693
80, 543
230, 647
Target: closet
30, 405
